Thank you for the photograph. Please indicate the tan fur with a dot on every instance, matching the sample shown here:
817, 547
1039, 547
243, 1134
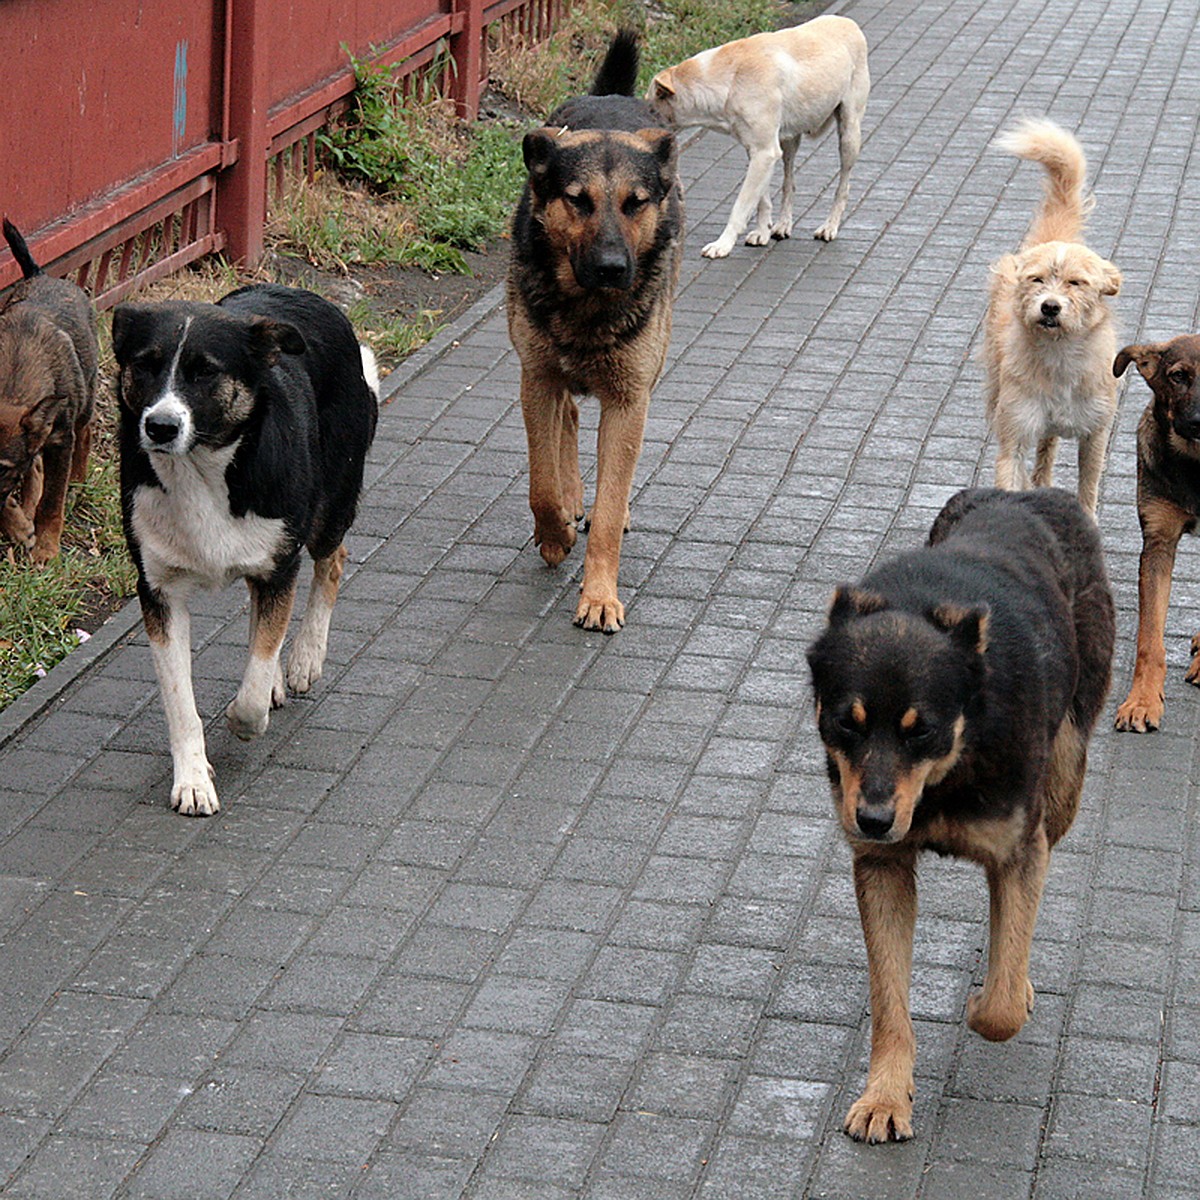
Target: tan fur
1049, 337
768, 91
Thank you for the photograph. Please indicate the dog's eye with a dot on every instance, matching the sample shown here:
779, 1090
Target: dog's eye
847, 726
634, 204
1037, 279
581, 202
1074, 283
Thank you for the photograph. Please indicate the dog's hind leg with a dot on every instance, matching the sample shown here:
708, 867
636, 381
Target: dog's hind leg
783, 227
168, 626
262, 689
80, 451
1163, 524
886, 887
763, 157
1015, 887
849, 122
306, 657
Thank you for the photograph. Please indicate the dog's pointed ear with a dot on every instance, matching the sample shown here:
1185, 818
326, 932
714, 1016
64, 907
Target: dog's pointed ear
1110, 278
269, 339
850, 601
1144, 354
660, 86
539, 149
663, 146
967, 627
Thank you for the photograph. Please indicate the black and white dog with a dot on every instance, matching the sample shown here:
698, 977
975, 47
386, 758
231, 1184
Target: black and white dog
244, 428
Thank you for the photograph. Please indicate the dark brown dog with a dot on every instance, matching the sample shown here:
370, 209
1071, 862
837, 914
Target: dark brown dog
597, 240
1168, 502
48, 369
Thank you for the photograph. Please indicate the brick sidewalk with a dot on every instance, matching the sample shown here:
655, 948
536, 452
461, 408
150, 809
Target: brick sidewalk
505, 910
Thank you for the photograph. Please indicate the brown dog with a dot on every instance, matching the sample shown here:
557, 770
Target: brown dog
1168, 502
596, 245
48, 370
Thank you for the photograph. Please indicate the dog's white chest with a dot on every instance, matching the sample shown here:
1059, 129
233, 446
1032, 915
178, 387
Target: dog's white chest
185, 530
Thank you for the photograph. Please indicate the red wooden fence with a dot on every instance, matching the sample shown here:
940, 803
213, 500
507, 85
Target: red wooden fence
137, 137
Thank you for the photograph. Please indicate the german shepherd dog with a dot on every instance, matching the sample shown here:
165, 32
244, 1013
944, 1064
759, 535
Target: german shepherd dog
48, 371
596, 246
956, 688
244, 430
1168, 503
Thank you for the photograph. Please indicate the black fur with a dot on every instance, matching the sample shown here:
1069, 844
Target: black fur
20, 250
1020, 574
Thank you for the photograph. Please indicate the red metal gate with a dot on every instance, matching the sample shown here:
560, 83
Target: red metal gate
137, 137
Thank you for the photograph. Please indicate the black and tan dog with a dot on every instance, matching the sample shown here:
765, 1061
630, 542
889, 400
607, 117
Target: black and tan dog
596, 245
956, 688
48, 371
1168, 503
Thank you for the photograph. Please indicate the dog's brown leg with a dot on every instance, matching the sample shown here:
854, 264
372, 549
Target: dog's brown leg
1043, 463
56, 460
1163, 524
1015, 885
80, 452
249, 712
306, 658
886, 886
618, 444
543, 403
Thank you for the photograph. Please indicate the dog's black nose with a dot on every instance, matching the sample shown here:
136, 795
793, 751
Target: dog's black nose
161, 430
1051, 308
874, 821
612, 270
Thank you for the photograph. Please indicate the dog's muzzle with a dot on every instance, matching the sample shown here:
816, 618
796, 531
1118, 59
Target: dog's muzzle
166, 427
1051, 311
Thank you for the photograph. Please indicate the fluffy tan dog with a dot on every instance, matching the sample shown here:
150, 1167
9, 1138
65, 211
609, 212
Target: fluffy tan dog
1049, 339
768, 91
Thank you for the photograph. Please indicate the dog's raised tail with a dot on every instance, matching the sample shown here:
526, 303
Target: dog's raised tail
16, 243
617, 75
1064, 205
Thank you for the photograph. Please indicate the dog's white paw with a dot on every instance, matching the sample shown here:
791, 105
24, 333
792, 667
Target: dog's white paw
781, 230
827, 232
758, 237
305, 664
245, 721
194, 795
278, 691
718, 249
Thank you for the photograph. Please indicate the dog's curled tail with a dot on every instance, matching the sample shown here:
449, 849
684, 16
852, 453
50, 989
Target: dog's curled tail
617, 75
16, 243
1064, 206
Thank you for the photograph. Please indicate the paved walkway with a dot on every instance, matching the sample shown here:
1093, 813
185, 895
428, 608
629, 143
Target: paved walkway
507, 910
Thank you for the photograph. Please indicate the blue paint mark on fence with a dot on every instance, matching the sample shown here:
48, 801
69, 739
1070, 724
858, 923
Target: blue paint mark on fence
179, 116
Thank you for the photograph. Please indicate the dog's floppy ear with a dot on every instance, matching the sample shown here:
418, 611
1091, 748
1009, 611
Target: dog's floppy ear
1144, 354
967, 627
127, 319
849, 601
269, 339
1110, 278
539, 149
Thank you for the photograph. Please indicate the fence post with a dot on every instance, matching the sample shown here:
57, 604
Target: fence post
466, 48
242, 187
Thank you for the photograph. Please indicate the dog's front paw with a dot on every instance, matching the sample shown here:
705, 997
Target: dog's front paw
193, 794
305, 664
758, 237
827, 232
1141, 712
554, 537
45, 551
246, 721
15, 525
998, 1020
875, 1118
605, 613
718, 249
781, 230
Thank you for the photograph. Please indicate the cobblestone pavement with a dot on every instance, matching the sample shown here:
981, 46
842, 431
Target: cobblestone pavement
508, 910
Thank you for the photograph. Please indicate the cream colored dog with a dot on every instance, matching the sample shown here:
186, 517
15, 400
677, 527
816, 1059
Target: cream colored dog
1049, 339
767, 91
